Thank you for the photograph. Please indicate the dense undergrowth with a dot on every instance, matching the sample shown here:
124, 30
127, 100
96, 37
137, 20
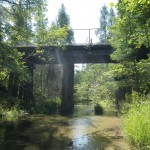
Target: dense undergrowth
11, 114
136, 121
49, 106
11, 110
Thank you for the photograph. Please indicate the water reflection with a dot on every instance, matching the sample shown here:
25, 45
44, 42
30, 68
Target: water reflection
82, 131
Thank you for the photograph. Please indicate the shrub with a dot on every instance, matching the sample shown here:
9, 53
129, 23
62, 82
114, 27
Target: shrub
9, 114
48, 106
98, 109
136, 124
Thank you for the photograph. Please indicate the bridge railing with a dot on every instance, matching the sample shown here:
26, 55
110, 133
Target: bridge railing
85, 36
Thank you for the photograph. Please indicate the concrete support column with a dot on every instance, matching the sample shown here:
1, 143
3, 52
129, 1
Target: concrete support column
67, 104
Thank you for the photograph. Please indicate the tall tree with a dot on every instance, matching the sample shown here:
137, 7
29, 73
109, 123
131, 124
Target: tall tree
112, 17
63, 20
111, 21
10, 58
102, 32
41, 22
130, 39
22, 33
107, 19
15, 29
53, 35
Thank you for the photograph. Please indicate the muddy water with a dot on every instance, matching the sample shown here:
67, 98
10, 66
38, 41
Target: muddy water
82, 131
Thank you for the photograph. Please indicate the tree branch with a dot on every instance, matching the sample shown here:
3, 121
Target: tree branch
14, 3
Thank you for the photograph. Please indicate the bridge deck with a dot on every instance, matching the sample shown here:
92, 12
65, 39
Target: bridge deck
99, 53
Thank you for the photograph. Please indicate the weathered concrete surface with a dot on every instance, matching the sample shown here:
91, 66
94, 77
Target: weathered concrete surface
76, 53
67, 104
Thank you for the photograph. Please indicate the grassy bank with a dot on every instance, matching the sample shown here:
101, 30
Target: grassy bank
136, 123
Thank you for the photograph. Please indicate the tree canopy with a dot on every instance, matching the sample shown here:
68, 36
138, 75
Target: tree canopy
23, 23
63, 20
106, 20
130, 39
129, 35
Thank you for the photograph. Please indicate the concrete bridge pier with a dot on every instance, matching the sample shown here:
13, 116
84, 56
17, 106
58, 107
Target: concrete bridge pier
67, 104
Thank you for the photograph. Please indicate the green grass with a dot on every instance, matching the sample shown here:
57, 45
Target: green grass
136, 125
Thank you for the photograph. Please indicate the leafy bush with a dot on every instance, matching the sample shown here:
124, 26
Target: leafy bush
136, 124
98, 109
9, 114
48, 107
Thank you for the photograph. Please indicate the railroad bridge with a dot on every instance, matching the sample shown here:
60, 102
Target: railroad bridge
67, 56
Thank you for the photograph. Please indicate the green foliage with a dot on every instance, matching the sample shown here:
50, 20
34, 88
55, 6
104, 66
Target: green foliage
53, 36
132, 100
11, 61
23, 23
48, 106
133, 74
63, 21
10, 109
130, 39
47, 81
98, 109
131, 29
9, 114
15, 29
47, 88
63, 17
107, 19
136, 122
82, 86
95, 83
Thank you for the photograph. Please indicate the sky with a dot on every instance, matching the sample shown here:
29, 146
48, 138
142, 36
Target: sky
84, 14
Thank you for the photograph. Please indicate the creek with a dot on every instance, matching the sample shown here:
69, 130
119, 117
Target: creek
82, 131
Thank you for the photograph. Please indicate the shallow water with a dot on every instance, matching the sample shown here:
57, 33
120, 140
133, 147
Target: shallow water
82, 131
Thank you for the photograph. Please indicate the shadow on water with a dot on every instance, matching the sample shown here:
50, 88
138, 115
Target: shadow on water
27, 136
82, 131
